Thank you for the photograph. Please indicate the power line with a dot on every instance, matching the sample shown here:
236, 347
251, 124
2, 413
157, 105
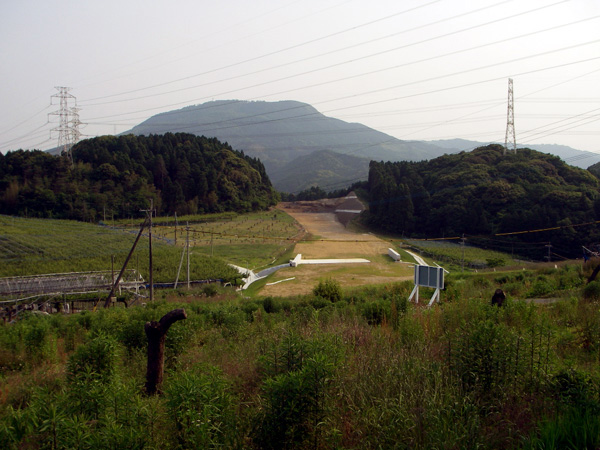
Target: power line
429, 80
369, 56
229, 66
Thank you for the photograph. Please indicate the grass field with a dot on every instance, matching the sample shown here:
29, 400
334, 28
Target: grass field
455, 253
252, 240
37, 246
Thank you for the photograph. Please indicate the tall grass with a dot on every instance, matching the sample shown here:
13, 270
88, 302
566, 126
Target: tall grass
366, 371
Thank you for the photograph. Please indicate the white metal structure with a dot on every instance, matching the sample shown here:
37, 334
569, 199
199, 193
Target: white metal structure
428, 276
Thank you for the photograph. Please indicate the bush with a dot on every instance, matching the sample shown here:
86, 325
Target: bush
540, 288
210, 290
201, 405
495, 262
295, 405
577, 389
97, 359
376, 311
270, 305
591, 291
329, 289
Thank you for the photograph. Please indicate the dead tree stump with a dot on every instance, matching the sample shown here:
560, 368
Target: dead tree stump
157, 333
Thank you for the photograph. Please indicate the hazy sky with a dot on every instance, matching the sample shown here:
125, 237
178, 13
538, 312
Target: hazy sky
415, 69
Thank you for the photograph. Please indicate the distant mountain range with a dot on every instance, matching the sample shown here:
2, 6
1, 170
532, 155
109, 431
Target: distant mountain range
301, 147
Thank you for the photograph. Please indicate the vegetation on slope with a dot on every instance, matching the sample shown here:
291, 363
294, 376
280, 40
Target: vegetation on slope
41, 246
356, 370
115, 176
485, 192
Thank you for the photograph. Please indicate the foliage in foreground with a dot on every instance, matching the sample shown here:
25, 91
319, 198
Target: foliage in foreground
367, 371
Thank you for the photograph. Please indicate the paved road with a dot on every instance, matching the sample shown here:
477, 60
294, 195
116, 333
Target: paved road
420, 261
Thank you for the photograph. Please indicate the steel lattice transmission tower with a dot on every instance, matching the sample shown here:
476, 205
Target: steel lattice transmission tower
68, 125
511, 137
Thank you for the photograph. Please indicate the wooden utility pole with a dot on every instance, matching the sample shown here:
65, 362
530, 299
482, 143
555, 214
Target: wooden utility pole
150, 249
175, 228
157, 333
116, 282
462, 242
149, 213
187, 245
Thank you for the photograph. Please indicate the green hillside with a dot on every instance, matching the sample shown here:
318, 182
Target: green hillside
326, 169
116, 177
496, 200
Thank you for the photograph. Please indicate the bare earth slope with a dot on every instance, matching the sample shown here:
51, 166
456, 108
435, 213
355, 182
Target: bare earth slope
333, 240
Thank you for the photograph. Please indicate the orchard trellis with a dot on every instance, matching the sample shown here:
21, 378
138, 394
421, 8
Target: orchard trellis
17, 289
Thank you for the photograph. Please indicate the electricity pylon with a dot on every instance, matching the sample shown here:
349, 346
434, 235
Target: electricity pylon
510, 121
68, 123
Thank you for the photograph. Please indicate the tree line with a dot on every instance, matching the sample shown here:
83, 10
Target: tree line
483, 193
114, 176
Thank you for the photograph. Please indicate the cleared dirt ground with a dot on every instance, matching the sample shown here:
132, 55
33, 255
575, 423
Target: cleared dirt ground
331, 239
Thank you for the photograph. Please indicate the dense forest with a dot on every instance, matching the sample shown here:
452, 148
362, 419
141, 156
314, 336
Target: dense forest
485, 193
115, 177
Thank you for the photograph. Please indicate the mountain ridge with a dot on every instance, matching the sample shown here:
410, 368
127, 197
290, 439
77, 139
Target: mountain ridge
280, 132
283, 134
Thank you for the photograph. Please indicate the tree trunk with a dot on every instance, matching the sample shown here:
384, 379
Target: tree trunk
156, 333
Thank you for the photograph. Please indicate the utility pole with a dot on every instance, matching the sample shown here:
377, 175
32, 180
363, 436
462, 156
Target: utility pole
149, 213
462, 242
175, 227
187, 245
510, 121
549, 246
118, 279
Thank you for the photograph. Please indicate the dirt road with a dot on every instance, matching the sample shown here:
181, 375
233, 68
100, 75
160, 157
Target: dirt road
331, 239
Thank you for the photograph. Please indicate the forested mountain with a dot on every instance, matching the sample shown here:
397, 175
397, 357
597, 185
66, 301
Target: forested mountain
326, 169
280, 132
485, 193
116, 176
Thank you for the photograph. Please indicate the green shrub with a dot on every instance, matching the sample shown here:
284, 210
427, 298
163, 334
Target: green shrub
328, 289
210, 290
270, 305
375, 311
575, 388
495, 262
38, 339
295, 406
96, 360
540, 288
591, 291
201, 405
319, 302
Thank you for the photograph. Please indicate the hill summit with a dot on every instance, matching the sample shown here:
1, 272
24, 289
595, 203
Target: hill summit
280, 132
